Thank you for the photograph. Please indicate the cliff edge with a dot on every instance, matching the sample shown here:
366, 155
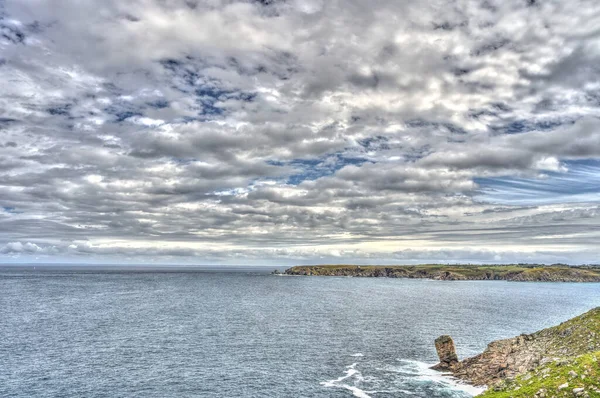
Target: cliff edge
555, 362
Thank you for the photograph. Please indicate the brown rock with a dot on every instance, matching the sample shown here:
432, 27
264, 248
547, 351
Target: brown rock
506, 359
446, 352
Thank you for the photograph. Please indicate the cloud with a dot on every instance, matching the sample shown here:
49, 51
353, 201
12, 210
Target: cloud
305, 129
534, 150
18, 248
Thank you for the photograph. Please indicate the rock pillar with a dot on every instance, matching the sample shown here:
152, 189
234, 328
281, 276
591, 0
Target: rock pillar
446, 352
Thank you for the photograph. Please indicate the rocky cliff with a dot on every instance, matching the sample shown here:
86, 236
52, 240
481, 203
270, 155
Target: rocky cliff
519, 272
530, 361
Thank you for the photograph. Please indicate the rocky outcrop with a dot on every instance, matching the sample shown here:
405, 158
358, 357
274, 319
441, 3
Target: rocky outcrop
501, 359
446, 351
506, 359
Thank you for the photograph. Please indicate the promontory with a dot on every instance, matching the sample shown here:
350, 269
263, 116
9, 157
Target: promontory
561, 361
454, 272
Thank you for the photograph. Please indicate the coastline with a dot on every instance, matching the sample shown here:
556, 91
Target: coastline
562, 360
458, 272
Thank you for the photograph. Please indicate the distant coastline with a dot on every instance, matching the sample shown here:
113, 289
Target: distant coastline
457, 272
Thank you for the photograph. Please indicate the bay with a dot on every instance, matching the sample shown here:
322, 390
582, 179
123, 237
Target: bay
245, 333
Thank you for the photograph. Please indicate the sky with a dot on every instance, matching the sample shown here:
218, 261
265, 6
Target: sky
299, 131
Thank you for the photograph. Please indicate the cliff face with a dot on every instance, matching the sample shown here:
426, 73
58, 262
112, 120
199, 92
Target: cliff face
505, 359
522, 273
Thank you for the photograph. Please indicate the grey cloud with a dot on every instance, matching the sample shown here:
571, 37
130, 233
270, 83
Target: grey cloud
525, 151
490, 157
408, 179
578, 141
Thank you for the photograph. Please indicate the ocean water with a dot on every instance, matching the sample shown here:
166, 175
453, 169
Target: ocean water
250, 334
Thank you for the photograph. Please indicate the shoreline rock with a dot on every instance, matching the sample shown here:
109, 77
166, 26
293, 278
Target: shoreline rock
505, 360
446, 351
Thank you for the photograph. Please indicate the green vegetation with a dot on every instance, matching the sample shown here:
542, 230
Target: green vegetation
561, 361
512, 272
575, 336
579, 376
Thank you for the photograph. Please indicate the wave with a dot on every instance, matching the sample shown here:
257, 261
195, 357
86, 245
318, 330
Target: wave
421, 371
406, 377
352, 371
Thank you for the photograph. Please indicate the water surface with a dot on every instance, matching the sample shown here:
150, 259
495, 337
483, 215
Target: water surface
250, 334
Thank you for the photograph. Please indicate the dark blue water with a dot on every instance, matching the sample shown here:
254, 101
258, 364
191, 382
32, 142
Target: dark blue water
250, 334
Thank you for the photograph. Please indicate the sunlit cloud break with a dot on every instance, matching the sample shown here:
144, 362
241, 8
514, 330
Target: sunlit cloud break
306, 131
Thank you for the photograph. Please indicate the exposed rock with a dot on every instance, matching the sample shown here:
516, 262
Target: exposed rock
506, 359
448, 276
563, 386
446, 352
572, 374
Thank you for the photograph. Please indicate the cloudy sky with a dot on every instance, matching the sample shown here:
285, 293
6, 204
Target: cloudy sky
299, 131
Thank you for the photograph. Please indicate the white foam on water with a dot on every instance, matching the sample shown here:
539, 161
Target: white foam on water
408, 370
337, 383
351, 371
358, 354
423, 372
357, 392
395, 391
453, 383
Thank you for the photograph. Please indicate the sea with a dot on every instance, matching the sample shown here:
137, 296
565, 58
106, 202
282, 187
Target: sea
241, 332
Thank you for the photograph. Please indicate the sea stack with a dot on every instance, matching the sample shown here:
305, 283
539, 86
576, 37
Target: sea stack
446, 352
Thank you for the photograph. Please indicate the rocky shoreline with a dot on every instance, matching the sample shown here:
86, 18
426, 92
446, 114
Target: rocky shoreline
561, 361
518, 272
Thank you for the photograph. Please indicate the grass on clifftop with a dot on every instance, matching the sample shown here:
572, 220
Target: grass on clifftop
577, 377
575, 336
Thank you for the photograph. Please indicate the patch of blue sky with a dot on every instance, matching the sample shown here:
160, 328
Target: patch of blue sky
122, 110
580, 184
452, 128
208, 96
186, 119
185, 74
60, 110
158, 104
375, 143
188, 77
523, 126
312, 169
